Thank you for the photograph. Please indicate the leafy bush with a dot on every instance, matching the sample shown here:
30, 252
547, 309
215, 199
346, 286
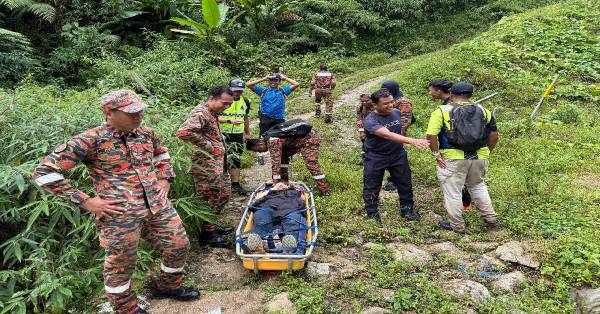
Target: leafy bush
16, 57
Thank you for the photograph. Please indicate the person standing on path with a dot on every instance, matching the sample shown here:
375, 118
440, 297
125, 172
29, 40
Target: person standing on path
132, 174
462, 150
440, 89
405, 106
235, 126
362, 111
323, 83
384, 144
212, 183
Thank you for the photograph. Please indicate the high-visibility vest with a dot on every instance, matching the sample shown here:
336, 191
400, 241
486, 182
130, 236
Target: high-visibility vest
235, 112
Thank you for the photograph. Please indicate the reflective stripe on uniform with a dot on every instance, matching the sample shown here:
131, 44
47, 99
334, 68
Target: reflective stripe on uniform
273, 138
276, 177
284, 165
319, 177
118, 289
49, 178
167, 269
163, 156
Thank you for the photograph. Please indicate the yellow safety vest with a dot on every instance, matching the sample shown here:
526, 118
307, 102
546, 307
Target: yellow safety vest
235, 112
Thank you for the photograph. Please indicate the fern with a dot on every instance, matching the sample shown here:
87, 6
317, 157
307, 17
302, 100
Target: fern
43, 11
16, 56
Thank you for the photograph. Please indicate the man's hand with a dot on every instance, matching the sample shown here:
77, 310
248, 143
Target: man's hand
284, 77
103, 208
419, 143
163, 188
361, 135
246, 137
441, 162
236, 122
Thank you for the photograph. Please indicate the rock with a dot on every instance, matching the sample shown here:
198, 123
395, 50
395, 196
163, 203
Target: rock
409, 253
281, 304
386, 294
587, 300
375, 310
509, 282
460, 288
447, 248
214, 311
517, 252
319, 269
482, 246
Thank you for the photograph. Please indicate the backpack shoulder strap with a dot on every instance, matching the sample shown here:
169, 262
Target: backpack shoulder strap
263, 93
247, 101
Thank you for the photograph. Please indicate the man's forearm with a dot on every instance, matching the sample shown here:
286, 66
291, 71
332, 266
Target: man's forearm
492, 140
253, 83
246, 125
433, 143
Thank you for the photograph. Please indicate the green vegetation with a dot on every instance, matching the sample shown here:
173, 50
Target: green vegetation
543, 177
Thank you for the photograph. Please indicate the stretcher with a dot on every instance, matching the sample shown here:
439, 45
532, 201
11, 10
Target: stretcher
277, 261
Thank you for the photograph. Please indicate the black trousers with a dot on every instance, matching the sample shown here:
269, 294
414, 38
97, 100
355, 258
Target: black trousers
265, 123
374, 169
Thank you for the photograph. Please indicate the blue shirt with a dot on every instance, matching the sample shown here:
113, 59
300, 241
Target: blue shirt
378, 145
272, 103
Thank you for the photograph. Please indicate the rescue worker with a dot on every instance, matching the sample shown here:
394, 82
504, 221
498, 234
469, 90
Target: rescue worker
362, 110
322, 84
404, 105
235, 126
440, 89
132, 173
281, 151
212, 183
457, 167
384, 144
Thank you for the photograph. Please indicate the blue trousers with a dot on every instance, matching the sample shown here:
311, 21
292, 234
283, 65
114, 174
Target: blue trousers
265, 225
374, 169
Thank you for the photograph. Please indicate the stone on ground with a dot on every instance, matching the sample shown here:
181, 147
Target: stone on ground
482, 246
244, 301
409, 253
319, 269
281, 304
509, 282
517, 252
375, 310
447, 248
587, 300
461, 288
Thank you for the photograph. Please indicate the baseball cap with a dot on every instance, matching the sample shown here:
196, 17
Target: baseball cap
237, 85
461, 88
275, 76
123, 100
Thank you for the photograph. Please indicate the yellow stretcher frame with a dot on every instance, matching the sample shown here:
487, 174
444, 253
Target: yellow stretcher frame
278, 262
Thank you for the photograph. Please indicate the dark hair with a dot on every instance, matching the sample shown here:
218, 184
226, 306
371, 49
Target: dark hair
441, 85
217, 91
251, 143
365, 95
384, 92
323, 67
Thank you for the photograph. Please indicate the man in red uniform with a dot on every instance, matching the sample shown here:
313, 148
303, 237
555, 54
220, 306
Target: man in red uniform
323, 83
132, 174
212, 182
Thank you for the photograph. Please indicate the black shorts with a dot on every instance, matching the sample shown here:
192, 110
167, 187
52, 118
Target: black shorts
265, 123
235, 148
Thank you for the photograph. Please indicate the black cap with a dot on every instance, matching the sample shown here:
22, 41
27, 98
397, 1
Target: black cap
275, 77
461, 88
237, 85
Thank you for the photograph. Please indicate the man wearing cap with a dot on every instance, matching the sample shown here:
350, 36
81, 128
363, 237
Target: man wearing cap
235, 126
459, 167
132, 174
323, 83
212, 183
272, 99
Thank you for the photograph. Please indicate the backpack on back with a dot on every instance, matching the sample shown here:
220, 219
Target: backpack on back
467, 127
291, 128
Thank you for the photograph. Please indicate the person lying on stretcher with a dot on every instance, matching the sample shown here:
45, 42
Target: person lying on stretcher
279, 221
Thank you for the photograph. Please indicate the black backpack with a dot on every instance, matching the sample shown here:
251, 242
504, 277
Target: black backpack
467, 127
291, 128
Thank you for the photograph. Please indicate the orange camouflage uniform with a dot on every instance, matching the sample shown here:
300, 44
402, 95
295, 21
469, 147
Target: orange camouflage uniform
281, 151
405, 107
123, 166
212, 182
323, 82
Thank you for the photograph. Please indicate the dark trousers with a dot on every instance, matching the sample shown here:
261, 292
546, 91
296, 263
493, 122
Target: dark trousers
265, 224
265, 123
374, 169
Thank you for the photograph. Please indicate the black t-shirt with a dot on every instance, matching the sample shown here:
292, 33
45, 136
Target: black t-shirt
376, 144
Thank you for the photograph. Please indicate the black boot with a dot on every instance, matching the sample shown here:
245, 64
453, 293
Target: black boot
408, 212
141, 311
389, 186
236, 187
223, 230
213, 239
318, 111
376, 217
328, 118
180, 294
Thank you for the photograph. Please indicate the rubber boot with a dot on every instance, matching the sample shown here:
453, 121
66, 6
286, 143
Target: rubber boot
209, 236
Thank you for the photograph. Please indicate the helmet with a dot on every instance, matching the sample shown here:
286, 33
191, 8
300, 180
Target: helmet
237, 85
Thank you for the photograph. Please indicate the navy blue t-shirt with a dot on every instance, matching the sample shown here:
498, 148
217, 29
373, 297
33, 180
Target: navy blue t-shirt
376, 144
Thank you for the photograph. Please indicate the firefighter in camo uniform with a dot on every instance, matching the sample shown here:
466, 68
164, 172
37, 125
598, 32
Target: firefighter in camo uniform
323, 83
281, 151
403, 104
362, 111
132, 174
211, 181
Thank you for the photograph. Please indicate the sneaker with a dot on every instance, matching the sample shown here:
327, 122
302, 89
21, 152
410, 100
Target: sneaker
324, 194
446, 226
180, 294
253, 241
467, 208
289, 241
376, 218
409, 213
